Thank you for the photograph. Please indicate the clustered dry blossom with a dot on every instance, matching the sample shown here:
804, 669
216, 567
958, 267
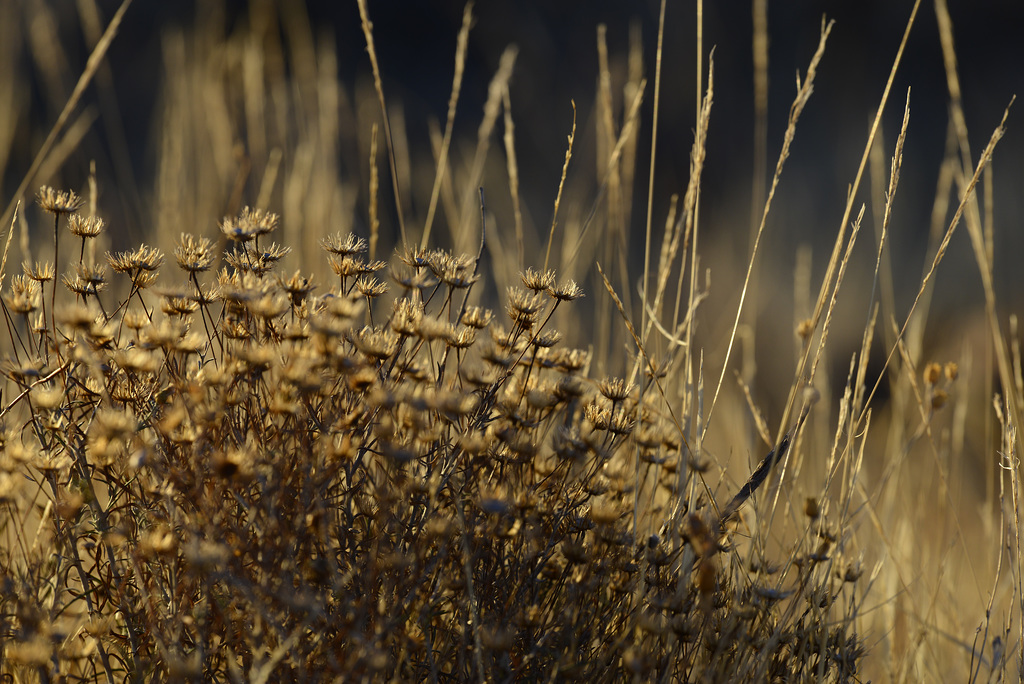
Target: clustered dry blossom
248, 469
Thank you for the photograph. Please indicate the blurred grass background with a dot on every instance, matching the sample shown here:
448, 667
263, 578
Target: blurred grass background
202, 108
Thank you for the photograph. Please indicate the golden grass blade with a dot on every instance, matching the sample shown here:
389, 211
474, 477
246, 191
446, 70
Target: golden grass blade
561, 187
654, 147
804, 90
367, 26
453, 100
374, 187
7, 243
513, 178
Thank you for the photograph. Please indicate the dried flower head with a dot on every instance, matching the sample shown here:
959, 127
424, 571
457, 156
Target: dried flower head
25, 295
57, 202
536, 281
349, 245
614, 389
87, 280
40, 271
85, 226
297, 286
248, 225
477, 317
370, 287
566, 291
193, 254
523, 307
136, 260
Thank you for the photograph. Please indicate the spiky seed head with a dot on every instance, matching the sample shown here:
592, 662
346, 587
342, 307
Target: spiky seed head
57, 202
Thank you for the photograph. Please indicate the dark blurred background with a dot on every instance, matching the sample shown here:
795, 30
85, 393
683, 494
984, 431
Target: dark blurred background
45, 46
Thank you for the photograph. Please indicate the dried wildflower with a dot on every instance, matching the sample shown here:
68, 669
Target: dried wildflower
347, 246
460, 338
477, 317
569, 387
39, 271
192, 254
248, 225
375, 343
495, 357
805, 328
175, 304
598, 416
88, 279
297, 286
614, 389
85, 226
523, 307
431, 328
419, 280
951, 371
348, 266
343, 307
932, 373
263, 260
547, 340
110, 432
135, 319
566, 292
269, 306
57, 202
406, 317
137, 360
621, 424
206, 297
25, 295
142, 258
939, 398
370, 287
536, 281
48, 396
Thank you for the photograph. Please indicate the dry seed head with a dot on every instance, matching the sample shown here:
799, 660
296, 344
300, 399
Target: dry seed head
805, 328
269, 306
548, 339
249, 224
406, 317
370, 287
460, 338
536, 281
431, 328
951, 371
175, 304
78, 316
566, 292
297, 286
142, 258
419, 280
614, 389
85, 226
932, 373
57, 202
47, 396
193, 254
347, 246
477, 317
39, 271
939, 398
25, 295
375, 343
